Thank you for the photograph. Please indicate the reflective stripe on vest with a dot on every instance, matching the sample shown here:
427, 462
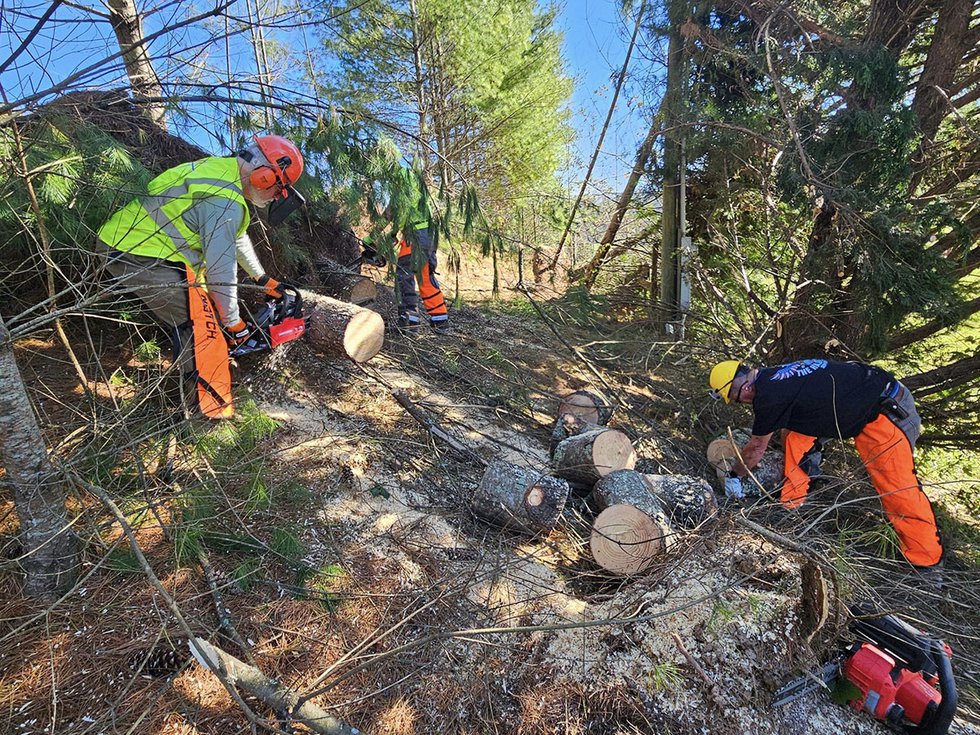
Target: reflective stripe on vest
153, 226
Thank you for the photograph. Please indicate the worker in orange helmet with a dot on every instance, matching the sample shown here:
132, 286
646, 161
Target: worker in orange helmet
825, 398
181, 245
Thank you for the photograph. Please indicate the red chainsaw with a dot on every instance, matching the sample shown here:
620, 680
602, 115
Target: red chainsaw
891, 672
279, 321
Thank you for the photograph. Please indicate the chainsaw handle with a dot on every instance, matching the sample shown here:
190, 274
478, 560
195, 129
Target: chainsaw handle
947, 688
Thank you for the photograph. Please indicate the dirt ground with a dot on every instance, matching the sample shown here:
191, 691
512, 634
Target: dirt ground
350, 564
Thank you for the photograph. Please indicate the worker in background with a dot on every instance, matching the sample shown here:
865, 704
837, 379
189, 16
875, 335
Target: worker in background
414, 264
182, 243
823, 398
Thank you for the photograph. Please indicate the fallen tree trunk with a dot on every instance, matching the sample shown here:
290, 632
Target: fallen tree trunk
586, 458
344, 283
342, 329
625, 540
519, 498
589, 406
269, 691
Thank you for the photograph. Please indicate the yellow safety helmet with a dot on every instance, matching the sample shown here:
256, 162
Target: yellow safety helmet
721, 378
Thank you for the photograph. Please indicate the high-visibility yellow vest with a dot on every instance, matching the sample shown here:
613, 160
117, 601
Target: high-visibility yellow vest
153, 226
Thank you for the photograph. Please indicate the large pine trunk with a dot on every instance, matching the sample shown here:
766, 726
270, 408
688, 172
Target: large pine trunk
591, 407
342, 329
587, 457
49, 548
519, 498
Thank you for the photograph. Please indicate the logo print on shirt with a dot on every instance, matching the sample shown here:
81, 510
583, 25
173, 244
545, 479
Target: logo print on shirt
798, 369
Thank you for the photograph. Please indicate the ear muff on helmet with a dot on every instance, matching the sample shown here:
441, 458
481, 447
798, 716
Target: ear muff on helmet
263, 177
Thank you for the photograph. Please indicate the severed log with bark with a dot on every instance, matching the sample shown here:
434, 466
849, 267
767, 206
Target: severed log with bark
342, 329
520, 499
586, 458
568, 424
282, 700
689, 501
591, 407
345, 283
765, 477
625, 540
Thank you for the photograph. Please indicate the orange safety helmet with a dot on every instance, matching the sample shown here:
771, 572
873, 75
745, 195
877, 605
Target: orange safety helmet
286, 160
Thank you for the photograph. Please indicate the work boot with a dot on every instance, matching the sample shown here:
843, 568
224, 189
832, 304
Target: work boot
408, 324
441, 327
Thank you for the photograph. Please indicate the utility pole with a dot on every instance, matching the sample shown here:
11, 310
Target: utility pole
673, 214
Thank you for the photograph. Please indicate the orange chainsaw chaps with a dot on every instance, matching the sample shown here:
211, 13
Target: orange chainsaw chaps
210, 354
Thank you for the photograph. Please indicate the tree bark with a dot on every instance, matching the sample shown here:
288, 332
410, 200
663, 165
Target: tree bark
625, 540
689, 501
519, 498
269, 691
51, 556
128, 27
586, 458
342, 329
344, 283
568, 424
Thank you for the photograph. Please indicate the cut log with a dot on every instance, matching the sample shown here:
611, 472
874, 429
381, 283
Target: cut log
519, 498
688, 501
568, 424
723, 456
586, 458
673, 499
587, 405
625, 540
342, 329
345, 283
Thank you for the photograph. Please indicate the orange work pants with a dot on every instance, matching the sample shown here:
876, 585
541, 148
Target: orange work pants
428, 286
887, 455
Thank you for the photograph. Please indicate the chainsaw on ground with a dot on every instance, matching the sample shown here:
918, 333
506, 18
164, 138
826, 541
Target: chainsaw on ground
279, 321
891, 672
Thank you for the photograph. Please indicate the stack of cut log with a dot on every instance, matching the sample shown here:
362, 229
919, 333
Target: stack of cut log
636, 512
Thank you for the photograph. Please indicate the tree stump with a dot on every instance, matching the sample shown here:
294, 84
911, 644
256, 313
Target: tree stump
587, 405
625, 540
722, 455
342, 329
689, 501
520, 499
344, 283
568, 424
587, 457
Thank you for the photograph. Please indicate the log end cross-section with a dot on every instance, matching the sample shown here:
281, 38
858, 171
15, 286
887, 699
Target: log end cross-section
625, 540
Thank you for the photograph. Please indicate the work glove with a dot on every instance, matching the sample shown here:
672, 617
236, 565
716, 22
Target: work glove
371, 257
273, 288
239, 333
733, 487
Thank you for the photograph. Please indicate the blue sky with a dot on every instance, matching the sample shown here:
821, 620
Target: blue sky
596, 40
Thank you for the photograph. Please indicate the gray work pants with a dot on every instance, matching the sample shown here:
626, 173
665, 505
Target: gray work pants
163, 289
408, 303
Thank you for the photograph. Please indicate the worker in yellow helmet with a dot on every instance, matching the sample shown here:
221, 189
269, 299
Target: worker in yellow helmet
825, 398
180, 246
